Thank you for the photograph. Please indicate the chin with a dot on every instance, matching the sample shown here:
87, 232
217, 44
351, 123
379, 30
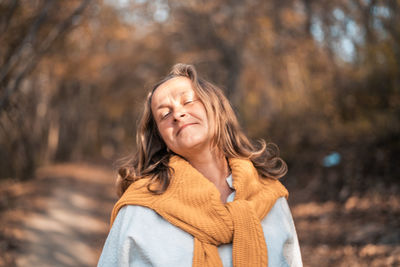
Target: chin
192, 143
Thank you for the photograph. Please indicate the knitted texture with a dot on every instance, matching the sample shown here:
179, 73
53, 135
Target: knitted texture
192, 203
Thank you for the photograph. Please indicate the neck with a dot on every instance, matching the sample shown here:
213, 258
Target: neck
213, 165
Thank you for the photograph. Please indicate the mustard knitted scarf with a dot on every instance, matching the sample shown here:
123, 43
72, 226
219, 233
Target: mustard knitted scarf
192, 203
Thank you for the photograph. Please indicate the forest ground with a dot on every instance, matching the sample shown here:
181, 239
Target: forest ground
60, 218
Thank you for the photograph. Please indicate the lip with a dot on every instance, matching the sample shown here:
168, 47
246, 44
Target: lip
183, 127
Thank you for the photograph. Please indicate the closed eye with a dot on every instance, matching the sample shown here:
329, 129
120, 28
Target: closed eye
189, 101
164, 116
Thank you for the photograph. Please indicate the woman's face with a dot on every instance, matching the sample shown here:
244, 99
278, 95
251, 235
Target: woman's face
180, 117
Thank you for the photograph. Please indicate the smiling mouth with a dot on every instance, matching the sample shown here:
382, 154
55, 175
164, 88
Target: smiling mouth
183, 127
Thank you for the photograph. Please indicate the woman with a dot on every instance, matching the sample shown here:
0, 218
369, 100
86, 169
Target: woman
197, 192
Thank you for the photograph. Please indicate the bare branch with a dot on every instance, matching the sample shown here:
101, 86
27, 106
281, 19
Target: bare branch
28, 38
7, 18
58, 31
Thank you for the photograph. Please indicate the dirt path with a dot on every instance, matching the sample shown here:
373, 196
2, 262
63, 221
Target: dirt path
59, 219
363, 231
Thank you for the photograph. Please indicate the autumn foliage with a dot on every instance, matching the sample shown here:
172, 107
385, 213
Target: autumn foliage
319, 78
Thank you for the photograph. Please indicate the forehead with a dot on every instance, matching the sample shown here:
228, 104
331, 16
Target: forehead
173, 88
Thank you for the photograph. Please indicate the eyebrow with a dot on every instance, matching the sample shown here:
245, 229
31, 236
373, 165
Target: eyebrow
162, 106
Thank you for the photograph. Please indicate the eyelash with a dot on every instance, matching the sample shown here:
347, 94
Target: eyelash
167, 114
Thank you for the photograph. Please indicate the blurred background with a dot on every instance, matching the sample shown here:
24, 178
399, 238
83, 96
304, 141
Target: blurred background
321, 79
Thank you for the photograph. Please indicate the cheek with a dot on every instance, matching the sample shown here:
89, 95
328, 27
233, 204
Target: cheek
165, 132
202, 113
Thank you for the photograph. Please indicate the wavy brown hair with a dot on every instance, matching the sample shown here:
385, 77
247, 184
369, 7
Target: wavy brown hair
152, 156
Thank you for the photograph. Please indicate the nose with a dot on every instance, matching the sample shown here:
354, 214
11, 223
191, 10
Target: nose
179, 114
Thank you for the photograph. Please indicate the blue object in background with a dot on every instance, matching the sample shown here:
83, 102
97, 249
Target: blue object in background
332, 159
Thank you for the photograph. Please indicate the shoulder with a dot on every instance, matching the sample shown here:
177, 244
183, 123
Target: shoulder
279, 219
282, 206
141, 237
138, 221
280, 211
135, 215
136, 194
153, 241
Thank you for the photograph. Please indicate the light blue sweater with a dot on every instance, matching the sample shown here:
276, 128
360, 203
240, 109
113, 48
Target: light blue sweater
140, 237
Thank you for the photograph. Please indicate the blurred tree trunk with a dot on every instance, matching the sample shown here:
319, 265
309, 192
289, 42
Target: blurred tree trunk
24, 58
28, 32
